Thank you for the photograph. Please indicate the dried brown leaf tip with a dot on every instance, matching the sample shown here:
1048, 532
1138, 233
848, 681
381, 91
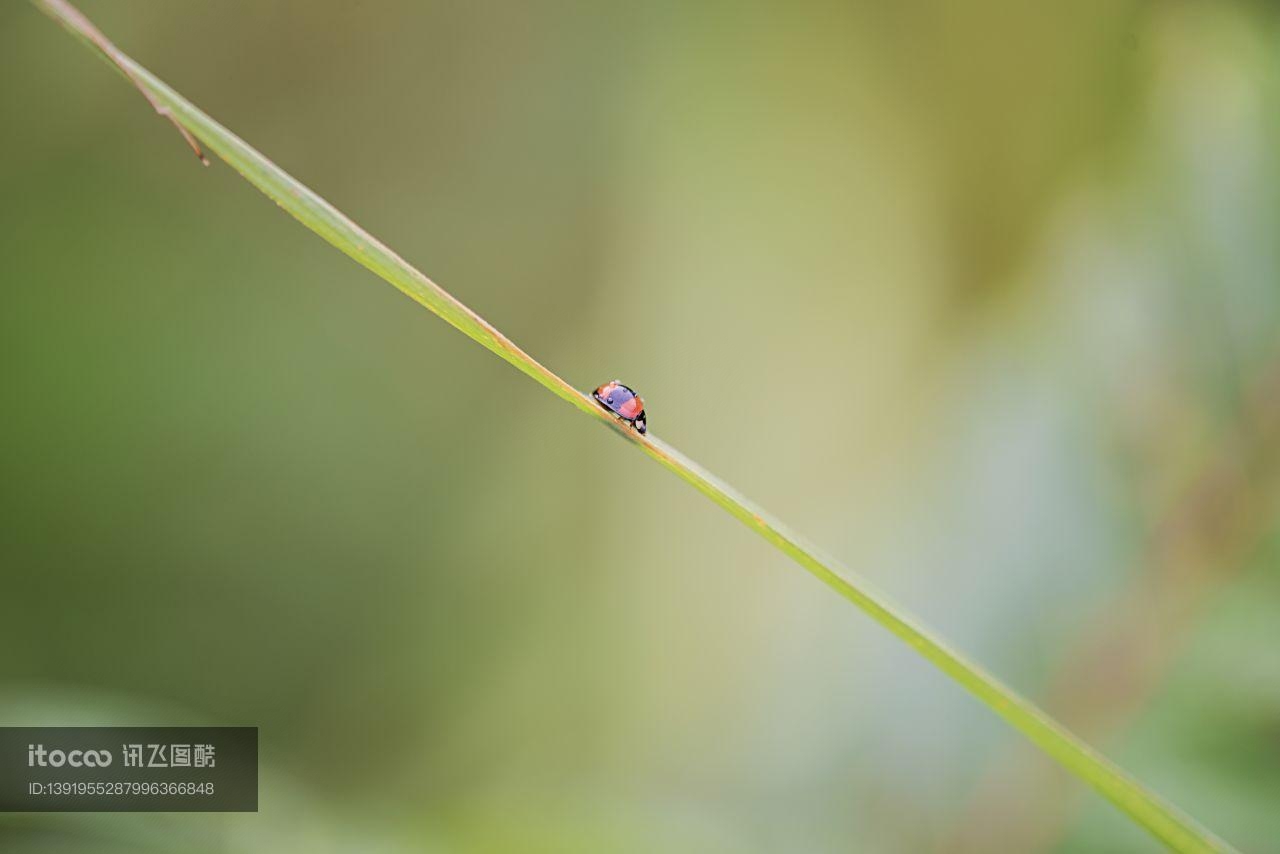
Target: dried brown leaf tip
111, 52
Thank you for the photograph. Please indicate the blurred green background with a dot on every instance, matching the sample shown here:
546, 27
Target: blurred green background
982, 297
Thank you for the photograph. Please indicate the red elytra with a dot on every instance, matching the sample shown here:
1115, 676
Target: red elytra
623, 402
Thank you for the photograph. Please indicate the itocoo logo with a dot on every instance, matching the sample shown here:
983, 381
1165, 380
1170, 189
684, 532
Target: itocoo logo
37, 755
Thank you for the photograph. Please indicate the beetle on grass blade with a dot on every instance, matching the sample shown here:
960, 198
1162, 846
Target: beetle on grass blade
622, 402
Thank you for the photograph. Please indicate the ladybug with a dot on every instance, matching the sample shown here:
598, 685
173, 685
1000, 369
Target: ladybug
622, 402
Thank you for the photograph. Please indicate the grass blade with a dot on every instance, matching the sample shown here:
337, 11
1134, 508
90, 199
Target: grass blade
1163, 820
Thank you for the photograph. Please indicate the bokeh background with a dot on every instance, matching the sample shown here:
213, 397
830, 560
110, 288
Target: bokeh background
982, 297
